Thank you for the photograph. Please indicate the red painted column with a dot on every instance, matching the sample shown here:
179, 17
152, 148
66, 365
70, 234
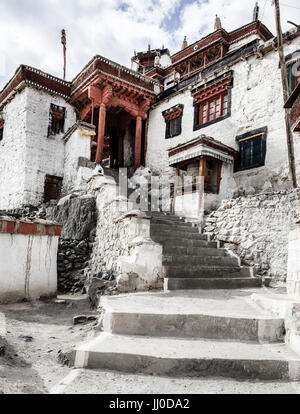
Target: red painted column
101, 132
138, 143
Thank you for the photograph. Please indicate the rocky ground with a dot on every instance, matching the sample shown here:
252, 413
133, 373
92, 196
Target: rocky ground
37, 332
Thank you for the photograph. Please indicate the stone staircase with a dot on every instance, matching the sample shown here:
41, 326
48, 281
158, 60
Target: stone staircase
204, 324
192, 261
193, 333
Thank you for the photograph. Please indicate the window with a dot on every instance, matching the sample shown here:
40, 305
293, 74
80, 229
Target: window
212, 101
56, 120
173, 118
213, 109
52, 189
293, 70
252, 151
173, 127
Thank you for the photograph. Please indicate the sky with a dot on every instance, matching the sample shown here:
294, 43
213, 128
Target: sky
30, 29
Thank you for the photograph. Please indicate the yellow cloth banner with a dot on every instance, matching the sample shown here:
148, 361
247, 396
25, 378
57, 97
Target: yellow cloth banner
87, 133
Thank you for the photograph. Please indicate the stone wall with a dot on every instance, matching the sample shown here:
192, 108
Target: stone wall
77, 214
257, 228
123, 247
73, 259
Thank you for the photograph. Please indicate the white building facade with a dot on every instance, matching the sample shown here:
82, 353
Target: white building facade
219, 99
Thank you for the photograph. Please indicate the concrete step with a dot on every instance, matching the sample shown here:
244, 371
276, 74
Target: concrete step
194, 251
205, 260
178, 228
205, 271
170, 222
188, 357
175, 234
161, 215
195, 326
182, 242
212, 283
190, 317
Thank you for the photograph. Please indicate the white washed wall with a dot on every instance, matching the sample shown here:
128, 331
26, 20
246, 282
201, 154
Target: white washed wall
244, 41
257, 101
28, 267
76, 146
44, 155
12, 153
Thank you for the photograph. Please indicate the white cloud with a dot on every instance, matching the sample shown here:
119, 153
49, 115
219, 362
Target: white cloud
30, 29
197, 19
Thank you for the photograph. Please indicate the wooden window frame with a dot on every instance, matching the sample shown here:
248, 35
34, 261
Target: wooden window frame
198, 110
206, 104
249, 136
177, 128
59, 182
204, 95
59, 123
173, 115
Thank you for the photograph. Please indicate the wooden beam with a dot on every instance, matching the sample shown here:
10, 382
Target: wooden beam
85, 112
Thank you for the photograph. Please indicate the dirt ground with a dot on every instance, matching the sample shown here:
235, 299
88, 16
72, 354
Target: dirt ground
36, 333
30, 366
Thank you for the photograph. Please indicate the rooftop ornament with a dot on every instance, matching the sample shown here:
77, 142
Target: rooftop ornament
218, 24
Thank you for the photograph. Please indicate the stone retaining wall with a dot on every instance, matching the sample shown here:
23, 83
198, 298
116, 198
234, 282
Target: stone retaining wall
73, 258
123, 247
256, 228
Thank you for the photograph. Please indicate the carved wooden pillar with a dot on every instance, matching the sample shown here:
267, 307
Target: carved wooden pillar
101, 132
138, 143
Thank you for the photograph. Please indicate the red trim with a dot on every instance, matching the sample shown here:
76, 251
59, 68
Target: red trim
39, 78
57, 114
174, 114
108, 68
29, 229
213, 90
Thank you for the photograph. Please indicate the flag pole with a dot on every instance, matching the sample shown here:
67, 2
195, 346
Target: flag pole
64, 43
